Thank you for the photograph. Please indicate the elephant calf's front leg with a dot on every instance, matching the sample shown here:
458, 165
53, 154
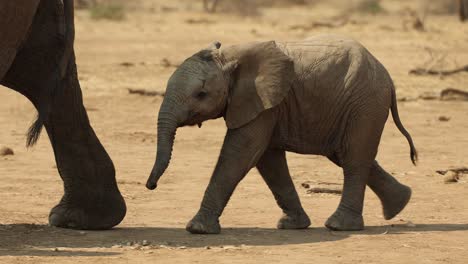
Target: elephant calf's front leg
241, 150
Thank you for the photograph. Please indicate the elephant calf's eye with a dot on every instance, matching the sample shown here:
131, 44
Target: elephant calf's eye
201, 95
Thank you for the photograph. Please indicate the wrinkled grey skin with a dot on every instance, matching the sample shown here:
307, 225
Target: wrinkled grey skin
37, 60
325, 96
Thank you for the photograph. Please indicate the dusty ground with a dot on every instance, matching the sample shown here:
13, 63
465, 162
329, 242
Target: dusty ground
432, 229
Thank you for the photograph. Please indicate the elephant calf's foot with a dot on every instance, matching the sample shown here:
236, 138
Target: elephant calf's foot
294, 221
89, 214
204, 224
342, 220
395, 203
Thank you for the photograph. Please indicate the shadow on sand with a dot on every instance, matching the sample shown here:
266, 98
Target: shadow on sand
41, 240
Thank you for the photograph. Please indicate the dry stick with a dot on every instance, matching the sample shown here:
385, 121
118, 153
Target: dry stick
323, 190
451, 94
313, 25
145, 92
460, 170
421, 71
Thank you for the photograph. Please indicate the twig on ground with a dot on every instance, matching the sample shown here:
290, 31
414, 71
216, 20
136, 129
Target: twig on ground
144, 92
423, 71
324, 190
451, 94
448, 94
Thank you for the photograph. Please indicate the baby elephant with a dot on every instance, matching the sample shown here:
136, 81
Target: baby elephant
325, 96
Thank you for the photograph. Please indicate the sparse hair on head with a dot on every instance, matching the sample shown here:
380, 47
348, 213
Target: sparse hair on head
205, 55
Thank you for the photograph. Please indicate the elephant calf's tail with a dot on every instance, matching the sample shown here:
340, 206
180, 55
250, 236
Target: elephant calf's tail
396, 119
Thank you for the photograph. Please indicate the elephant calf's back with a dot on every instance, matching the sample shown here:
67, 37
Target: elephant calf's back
337, 79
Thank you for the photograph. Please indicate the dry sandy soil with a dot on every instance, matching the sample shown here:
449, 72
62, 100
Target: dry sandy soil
116, 55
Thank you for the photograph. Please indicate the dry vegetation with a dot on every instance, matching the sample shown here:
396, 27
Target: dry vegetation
125, 56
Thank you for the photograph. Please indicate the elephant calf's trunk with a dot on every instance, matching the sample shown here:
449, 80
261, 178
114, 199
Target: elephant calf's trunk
166, 133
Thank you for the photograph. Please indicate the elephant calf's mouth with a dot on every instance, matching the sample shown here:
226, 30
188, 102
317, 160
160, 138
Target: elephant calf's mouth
194, 119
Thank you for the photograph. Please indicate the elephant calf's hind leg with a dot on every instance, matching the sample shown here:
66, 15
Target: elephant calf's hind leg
274, 170
393, 195
348, 216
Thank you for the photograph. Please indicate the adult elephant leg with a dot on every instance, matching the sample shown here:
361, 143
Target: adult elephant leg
241, 150
274, 169
91, 198
393, 195
463, 9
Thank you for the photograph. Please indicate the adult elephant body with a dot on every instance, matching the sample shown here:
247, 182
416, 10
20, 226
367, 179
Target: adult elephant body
37, 60
463, 9
326, 96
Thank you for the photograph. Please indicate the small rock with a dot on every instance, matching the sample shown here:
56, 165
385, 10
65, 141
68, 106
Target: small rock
444, 118
207, 247
117, 246
56, 250
165, 63
228, 247
82, 233
145, 243
129, 243
451, 177
6, 151
136, 247
127, 64
407, 223
305, 185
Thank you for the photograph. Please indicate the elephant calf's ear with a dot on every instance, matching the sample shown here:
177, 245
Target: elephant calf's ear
214, 45
230, 67
262, 80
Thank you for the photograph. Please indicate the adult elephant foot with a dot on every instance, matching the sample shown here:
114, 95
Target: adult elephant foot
298, 220
97, 211
204, 224
343, 220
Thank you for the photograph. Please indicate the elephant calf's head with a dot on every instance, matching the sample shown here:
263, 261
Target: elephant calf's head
238, 83
198, 89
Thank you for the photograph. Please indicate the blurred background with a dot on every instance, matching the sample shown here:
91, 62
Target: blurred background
428, 30
126, 51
